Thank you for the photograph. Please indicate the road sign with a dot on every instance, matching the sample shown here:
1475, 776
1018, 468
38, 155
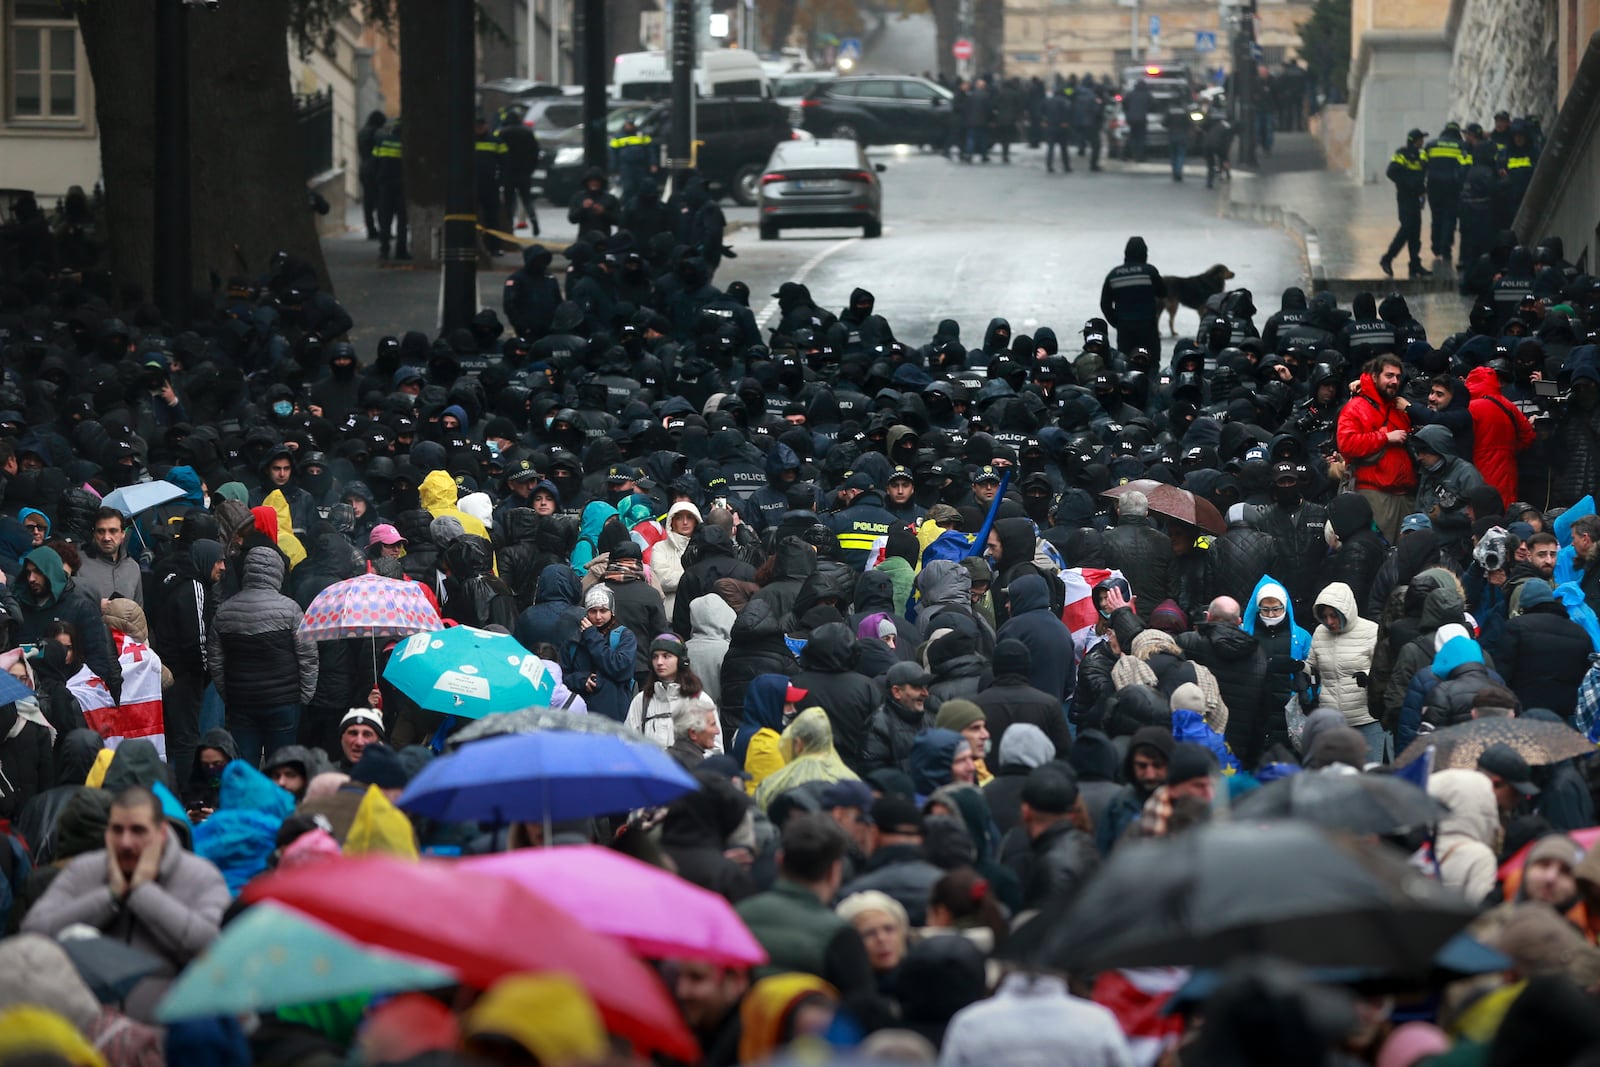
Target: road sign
1155, 25
962, 48
1205, 41
849, 48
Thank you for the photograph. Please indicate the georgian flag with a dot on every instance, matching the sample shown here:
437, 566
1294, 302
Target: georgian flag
140, 713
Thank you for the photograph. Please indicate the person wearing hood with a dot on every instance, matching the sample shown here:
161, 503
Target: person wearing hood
1542, 654
1459, 676
180, 622
1012, 546
292, 767
1358, 550
769, 705
1340, 663
47, 595
1013, 698
1499, 432
713, 554
711, 626
666, 557
473, 594
278, 474
1130, 300
263, 665
1444, 482
1023, 748
827, 673
593, 207
1467, 841
1144, 769
939, 757
806, 746
695, 833
557, 608
1269, 618
27, 756
1037, 625
1238, 662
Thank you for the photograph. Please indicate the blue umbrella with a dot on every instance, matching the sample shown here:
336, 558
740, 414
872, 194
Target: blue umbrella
12, 690
551, 776
142, 496
469, 672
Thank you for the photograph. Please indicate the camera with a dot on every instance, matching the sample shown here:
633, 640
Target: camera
1491, 551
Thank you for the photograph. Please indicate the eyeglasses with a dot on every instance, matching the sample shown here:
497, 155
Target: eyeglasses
1270, 613
36, 526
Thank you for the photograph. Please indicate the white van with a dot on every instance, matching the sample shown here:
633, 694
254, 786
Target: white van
723, 72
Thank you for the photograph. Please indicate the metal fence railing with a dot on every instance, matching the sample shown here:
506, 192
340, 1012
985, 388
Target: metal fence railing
314, 117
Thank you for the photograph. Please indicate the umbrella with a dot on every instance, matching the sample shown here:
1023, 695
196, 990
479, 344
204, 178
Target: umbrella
652, 911
1356, 803
11, 689
108, 966
271, 956
469, 672
1538, 742
1284, 889
551, 776
533, 720
1174, 503
369, 605
484, 929
142, 496
1585, 838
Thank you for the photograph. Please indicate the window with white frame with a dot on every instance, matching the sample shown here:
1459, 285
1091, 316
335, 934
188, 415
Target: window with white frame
42, 61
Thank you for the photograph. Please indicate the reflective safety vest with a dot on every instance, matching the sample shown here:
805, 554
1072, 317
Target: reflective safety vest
631, 140
1519, 162
388, 147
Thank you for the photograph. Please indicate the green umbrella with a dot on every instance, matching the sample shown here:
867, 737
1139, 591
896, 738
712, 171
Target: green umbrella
271, 956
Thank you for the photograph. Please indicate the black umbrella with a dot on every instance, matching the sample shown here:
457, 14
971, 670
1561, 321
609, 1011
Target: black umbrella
1285, 889
108, 966
536, 719
1356, 803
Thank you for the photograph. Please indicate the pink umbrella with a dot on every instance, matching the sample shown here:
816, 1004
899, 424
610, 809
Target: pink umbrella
653, 912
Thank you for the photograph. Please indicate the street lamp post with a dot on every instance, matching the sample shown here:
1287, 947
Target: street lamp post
459, 256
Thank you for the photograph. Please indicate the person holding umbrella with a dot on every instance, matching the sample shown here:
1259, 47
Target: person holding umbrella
598, 663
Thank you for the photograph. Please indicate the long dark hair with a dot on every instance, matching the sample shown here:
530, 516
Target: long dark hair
689, 684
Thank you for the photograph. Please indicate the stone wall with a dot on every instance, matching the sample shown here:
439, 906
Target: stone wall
1505, 60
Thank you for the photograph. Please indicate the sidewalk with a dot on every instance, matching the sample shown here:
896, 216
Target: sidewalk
1344, 226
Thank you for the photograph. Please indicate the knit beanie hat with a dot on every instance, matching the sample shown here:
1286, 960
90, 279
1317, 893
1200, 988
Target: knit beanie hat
669, 643
903, 544
599, 596
1555, 847
380, 766
371, 716
1188, 697
957, 715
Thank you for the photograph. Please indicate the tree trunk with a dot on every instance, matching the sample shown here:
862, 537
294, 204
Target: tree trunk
424, 128
989, 36
248, 185
945, 16
782, 24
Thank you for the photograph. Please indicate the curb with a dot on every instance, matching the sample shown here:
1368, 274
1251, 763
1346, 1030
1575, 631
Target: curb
1294, 225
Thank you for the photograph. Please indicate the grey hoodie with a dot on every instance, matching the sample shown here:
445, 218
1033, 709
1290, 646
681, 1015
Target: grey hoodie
710, 626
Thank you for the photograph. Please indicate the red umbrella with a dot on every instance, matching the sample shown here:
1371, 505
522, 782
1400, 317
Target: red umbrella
1174, 503
485, 928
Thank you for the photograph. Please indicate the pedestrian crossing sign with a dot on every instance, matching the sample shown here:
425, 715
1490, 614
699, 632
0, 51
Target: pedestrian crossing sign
1205, 41
850, 48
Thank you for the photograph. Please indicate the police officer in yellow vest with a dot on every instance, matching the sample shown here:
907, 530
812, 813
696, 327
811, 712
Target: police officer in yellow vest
1517, 161
633, 159
1447, 159
488, 156
389, 156
862, 519
1406, 170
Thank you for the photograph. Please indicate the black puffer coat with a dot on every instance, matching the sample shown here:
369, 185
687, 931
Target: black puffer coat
891, 732
711, 557
1543, 655
756, 646
828, 675
1240, 667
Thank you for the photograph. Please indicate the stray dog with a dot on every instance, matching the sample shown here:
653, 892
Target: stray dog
1191, 293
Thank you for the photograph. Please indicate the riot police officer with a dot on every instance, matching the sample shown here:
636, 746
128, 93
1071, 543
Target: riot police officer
488, 155
1446, 161
1406, 170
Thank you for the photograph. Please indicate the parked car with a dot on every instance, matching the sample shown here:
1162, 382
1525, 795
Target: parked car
874, 109
789, 89
1169, 87
825, 182
737, 136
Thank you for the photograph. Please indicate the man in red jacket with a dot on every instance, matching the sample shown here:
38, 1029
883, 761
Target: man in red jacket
1499, 432
1372, 436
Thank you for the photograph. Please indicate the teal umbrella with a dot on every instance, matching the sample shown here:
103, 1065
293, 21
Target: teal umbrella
469, 673
271, 956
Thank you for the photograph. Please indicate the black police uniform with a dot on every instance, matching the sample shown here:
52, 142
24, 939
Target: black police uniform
1406, 170
1446, 161
392, 222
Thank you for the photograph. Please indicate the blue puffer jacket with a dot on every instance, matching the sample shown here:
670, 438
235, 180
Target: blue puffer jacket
240, 836
1053, 655
609, 658
557, 607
